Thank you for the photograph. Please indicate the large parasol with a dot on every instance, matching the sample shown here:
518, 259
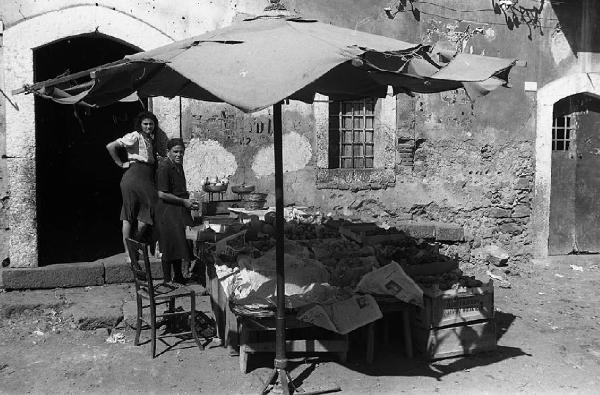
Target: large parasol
262, 61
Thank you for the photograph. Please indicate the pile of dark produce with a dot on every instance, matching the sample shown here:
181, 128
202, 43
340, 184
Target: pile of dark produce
454, 279
346, 259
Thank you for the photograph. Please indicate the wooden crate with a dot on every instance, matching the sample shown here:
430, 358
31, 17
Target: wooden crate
455, 340
443, 308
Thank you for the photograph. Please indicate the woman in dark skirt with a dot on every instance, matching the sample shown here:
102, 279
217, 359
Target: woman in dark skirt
137, 184
173, 211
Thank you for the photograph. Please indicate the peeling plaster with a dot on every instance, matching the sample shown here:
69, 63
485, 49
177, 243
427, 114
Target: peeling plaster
296, 155
206, 158
559, 46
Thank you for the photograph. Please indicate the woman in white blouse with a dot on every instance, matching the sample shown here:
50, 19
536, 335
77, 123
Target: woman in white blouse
137, 185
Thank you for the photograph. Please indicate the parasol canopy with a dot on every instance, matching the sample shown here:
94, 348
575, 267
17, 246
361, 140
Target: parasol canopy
263, 60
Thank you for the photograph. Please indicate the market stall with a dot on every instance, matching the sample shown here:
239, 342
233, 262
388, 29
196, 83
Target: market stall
292, 58
333, 266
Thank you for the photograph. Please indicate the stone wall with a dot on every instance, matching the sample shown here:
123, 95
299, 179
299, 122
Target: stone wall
452, 160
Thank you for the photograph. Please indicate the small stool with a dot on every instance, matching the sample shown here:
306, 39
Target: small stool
390, 305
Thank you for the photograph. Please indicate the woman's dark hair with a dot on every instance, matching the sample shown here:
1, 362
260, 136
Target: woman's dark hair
137, 122
174, 142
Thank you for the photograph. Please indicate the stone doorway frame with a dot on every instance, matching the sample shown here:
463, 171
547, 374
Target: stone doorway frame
547, 96
18, 43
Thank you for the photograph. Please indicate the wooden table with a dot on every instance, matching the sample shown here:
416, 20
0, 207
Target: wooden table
257, 335
253, 332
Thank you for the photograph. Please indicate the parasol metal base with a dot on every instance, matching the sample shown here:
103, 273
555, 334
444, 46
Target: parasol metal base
280, 382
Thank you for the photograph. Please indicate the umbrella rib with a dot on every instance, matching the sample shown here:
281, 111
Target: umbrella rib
412, 52
185, 85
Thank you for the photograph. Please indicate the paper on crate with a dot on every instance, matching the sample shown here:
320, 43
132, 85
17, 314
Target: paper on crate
343, 316
391, 280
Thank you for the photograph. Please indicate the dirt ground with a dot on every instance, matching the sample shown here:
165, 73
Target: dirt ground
548, 329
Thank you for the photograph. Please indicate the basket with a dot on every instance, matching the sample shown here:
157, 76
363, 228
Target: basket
255, 197
243, 188
214, 188
252, 204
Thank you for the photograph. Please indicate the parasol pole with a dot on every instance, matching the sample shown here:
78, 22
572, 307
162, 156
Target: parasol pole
280, 357
279, 373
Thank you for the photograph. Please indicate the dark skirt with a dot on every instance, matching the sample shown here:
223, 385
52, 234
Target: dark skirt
171, 221
139, 193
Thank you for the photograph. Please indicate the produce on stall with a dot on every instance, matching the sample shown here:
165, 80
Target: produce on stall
328, 270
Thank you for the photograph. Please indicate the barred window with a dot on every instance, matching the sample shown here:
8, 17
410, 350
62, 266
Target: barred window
563, 132
351, 126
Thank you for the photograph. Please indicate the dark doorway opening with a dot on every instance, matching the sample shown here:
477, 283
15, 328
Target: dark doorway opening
78, 195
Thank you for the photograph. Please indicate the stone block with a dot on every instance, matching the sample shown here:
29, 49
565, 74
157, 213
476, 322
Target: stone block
117, 272
521, 211
16, 302
492, 254
95, 314
23, 246
417, 230
449, 232
404, 216
97, 307
54, 276
498, 212
522, 183
130, 313
511, 228
120, 271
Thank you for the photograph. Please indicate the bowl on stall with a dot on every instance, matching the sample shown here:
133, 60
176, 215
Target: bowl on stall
214, 188
253, 204
241, 189
254, 197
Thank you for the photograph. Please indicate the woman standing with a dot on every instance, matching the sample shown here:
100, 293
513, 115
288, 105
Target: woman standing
137, 184
173, 211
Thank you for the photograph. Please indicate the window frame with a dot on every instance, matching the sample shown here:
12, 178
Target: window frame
382, 174
352, 122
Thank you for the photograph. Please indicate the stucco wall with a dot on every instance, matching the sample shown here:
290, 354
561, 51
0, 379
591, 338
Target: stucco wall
226, 142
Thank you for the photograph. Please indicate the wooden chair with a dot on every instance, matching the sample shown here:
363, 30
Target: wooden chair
157, 295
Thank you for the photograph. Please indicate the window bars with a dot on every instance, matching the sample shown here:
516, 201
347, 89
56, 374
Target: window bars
563, 132
351, 127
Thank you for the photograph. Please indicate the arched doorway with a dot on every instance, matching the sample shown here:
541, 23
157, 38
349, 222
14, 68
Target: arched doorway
78, 196
575, 176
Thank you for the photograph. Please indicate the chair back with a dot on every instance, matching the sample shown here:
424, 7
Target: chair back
142, 273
